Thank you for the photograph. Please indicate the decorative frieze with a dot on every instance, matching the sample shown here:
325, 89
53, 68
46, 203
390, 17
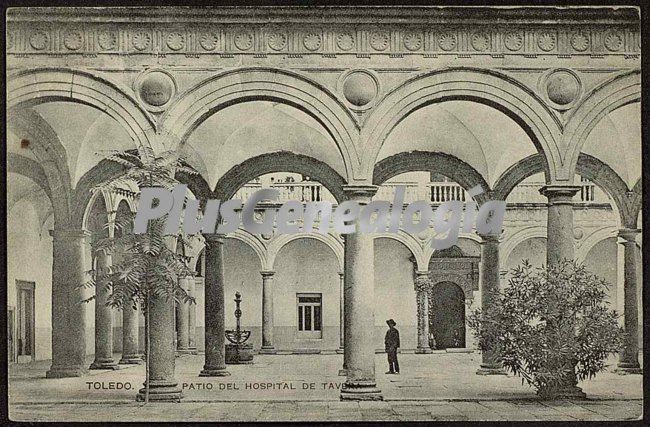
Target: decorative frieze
254, 39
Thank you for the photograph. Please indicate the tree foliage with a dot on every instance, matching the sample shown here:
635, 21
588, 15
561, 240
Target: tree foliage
143, 265
550, 324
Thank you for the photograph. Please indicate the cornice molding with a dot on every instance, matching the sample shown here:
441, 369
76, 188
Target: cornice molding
333, 14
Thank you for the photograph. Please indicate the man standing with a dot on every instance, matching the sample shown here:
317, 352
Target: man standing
392, 344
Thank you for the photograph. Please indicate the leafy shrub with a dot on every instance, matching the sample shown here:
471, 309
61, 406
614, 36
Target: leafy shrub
551, 325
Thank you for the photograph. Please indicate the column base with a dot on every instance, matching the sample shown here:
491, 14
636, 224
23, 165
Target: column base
214, 372
627, 368
339, 350
491, 370
65, 372
131, 359
343, 372
361, 390
267, 350
161, 391
420, 350
104, 364
565, 392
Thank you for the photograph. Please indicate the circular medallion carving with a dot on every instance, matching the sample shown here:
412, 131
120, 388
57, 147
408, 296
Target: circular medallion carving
580, 42
359, 88
447, 41
413, 41
141, 40
107, 40
244, 41
277, 41
175, 41
614, 41
39, 40
156, 88
546, 41
514, 40
379, 40
480, 41
578, 233
73, 40
209, 41
345, 41
562, 87
312, 41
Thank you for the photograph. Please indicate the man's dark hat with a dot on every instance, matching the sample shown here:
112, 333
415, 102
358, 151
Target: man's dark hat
391, 322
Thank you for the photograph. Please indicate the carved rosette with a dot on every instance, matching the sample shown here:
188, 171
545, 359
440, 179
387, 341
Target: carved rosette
208, 41
345, 41
312, 41
39, 40
379, 40
514, 40
73, 40
243, 41
175, 41
480, 41
546, 41
277, 40
447, 41
141, 40
413, 41
580, 41
107, 40
614, 40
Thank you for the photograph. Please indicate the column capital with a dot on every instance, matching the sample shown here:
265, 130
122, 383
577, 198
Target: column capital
341, 274
422, 282
489, 238
214, 238
69, 233
559, 194
360, 192
628, 234
267, 273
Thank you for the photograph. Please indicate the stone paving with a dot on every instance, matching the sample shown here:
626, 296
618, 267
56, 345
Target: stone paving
440, 386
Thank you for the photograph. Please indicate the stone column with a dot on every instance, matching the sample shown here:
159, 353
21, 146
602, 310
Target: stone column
163, 386
341, 312
490, 274
559, 244
183, 319
360, 308
346, 297
130, 337
103, 321
267, 313
629, 355
192, 316
68, 312
215, 319
422, 287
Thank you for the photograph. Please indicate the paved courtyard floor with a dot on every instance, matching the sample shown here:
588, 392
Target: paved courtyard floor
440, 386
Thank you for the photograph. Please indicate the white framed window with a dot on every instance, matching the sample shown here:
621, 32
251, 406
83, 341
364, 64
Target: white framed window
310, 318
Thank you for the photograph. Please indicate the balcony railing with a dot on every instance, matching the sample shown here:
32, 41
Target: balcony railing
529, 193
435, 192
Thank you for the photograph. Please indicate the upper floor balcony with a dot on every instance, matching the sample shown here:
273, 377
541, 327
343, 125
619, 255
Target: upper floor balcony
435, 192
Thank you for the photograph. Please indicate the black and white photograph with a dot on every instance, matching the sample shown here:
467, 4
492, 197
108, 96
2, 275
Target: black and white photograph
324, 213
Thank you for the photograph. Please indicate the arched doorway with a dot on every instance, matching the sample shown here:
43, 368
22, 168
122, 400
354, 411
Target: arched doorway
447, 315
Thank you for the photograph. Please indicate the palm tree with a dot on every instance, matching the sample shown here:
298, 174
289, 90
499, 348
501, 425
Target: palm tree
145, 266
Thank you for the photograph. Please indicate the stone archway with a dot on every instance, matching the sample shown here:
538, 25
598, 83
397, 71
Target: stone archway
447, 315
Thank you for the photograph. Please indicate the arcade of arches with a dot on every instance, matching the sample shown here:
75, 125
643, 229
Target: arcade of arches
546, 117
